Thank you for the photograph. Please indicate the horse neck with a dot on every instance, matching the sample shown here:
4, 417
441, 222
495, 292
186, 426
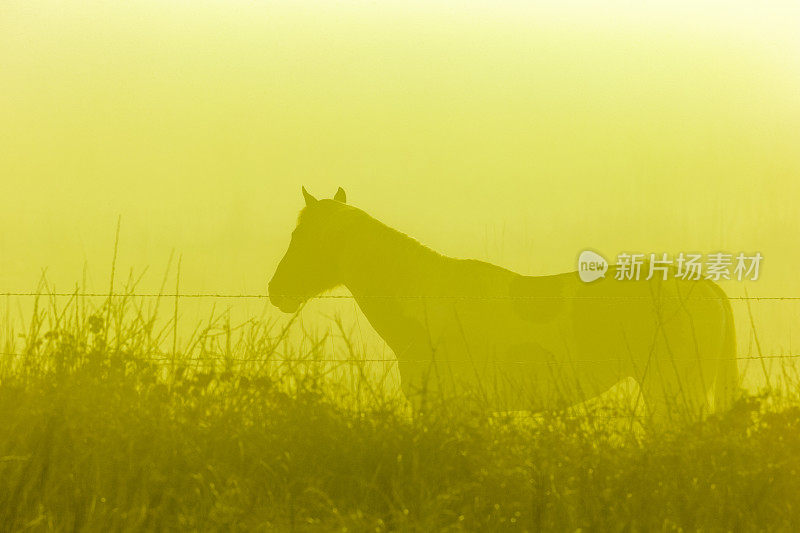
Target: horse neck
380, 261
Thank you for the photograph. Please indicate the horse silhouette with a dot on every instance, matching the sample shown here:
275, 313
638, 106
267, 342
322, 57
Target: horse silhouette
522, 341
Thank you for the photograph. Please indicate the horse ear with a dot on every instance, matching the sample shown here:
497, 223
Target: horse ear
340, 196
310, 200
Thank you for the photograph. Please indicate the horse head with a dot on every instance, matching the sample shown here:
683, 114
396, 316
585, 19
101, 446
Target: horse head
310, 264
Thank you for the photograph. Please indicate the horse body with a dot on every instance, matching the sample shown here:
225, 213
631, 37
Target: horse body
523, 342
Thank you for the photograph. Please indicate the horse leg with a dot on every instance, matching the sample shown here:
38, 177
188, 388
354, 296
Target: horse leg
674, 391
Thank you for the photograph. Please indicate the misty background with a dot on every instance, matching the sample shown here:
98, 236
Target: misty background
514, 133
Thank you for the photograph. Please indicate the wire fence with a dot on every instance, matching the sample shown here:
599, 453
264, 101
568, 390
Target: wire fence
386, 296
182, 360
190, 359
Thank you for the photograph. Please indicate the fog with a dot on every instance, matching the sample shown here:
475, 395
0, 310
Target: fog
515, 134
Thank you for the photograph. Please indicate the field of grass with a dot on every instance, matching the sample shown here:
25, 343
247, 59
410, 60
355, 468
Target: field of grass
103, 430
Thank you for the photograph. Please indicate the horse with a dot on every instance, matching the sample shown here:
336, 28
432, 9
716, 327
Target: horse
523, 342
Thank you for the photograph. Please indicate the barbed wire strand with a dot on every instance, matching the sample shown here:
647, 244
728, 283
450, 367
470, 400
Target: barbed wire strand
394, 296
353, 360
191, 360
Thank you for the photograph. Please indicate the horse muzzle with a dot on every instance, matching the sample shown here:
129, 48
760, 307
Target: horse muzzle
287, 304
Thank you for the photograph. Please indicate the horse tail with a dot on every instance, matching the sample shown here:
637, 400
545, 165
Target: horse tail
726, 384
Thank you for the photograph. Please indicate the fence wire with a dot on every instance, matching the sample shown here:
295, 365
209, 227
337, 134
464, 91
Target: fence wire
185, 360
189, 359
392, 296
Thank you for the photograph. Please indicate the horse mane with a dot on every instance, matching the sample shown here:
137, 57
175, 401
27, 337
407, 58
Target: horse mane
351, 222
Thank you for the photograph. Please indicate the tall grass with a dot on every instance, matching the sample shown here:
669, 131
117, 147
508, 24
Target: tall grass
103, 430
